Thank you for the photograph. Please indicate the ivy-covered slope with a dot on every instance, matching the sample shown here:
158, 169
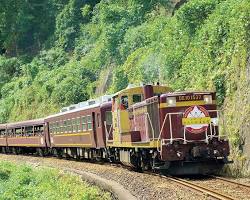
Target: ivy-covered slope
59, 52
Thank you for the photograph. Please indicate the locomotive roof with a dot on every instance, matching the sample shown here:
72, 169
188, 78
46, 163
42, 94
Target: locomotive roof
26, 123
186, 93
135, 87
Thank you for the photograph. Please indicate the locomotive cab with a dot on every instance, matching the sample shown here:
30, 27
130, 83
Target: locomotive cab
124, 99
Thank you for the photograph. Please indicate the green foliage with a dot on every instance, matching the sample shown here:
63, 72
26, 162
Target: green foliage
24, 182
193, 14
204, 46
26, 25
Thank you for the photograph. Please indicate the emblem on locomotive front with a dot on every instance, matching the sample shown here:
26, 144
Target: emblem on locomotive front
196, 119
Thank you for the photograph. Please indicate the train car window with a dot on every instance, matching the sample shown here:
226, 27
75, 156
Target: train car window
38, 130
11, 132
74, 125
18, 132
64, 126
61, 126
2, 133
89, 122
58, 127
29, 131
69, 125
137, 98
42, 128
84, 126
78, 124
50, 127
54, 128
8, 133
108, 117
98, 120
124, 102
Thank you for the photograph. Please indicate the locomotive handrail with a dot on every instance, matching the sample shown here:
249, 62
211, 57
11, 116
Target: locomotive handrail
209, 136
171, 133
150, 121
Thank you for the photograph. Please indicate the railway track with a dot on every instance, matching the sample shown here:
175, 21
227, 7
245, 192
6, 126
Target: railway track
202, 189
217, 187
194, 185
231, 182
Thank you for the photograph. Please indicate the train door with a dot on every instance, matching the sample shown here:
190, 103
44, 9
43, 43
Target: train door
124, 125
94, 128
99, 132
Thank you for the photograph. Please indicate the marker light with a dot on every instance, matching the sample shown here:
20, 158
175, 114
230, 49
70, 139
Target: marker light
171, 101
208, 99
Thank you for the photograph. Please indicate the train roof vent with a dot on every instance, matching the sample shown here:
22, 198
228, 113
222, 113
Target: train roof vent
92, 102
106, 98
72, 107
83, 104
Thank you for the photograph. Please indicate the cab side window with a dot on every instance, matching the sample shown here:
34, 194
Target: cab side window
137, 98
124, 102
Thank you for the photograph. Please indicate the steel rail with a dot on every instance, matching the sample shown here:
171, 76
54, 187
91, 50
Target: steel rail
201, 189
196, 187
230, 181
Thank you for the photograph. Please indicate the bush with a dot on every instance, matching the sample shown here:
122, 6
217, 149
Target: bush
25, 182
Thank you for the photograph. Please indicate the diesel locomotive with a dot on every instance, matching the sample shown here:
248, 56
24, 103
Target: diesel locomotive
149, 127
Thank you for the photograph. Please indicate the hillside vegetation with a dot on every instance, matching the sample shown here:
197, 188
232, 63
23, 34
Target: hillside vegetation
59, 52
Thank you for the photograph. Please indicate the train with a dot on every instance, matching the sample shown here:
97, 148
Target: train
148, 127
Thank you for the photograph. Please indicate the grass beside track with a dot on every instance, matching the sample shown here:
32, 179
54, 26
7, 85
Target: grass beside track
19, 181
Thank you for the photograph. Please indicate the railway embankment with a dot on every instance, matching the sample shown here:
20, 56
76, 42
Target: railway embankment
141, 186
128, 184
23, 181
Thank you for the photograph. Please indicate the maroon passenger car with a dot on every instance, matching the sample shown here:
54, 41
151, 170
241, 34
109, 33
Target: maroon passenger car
3, 138
27, 136
79, 132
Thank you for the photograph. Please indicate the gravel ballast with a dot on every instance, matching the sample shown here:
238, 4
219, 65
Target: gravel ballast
142, 186
139, 185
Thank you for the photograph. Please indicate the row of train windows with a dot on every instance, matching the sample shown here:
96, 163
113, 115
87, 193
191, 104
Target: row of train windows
28, 131
83, 123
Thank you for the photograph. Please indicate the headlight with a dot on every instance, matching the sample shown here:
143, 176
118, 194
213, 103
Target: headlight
208, 99
171, 101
